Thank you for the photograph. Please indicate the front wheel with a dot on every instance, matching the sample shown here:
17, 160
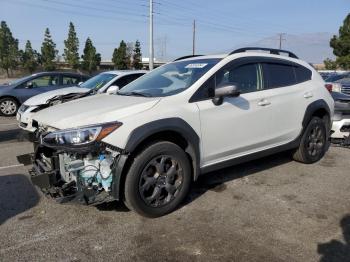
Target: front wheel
313, 144
8, 106
158, 180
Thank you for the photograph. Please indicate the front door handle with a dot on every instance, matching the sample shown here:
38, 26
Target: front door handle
264, 102
308, 95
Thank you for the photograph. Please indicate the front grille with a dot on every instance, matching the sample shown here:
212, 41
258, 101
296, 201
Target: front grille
345, 89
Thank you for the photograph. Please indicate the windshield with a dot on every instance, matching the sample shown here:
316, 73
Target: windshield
169, 79
98, 81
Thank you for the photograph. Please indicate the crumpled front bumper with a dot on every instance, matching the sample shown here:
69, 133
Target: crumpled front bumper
45, 174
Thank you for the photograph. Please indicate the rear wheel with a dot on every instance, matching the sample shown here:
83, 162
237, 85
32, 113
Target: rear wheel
313, 143
8, 106
158, 180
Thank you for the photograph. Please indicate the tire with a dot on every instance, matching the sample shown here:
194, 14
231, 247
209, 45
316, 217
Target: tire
313, 144
158, 180
8, 106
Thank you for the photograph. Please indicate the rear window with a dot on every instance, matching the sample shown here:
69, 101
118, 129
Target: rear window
279, 75
303, 74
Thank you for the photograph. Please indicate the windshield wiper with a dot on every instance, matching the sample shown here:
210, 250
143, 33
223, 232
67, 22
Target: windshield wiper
133, 93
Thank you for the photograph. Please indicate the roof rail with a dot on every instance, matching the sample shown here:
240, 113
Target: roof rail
185, 57
271, 50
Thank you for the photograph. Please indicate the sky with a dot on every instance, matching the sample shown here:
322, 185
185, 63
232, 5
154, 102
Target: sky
221, 25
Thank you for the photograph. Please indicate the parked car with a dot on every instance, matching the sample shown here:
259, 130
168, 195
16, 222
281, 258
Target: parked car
337, 76
341, 120
334, 83
331, 73
146, 144
13, 94
110, 81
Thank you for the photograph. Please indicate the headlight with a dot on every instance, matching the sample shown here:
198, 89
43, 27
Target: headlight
80, 136
23, 108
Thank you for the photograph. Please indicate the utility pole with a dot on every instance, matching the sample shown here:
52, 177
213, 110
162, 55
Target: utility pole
194, 38
151, 48
281, 39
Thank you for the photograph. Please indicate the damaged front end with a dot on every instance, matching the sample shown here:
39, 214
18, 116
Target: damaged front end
75, 165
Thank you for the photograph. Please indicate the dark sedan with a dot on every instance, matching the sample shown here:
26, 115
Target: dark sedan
13, 94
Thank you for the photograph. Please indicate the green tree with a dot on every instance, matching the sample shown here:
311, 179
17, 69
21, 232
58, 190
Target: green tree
91, 59
48, 52
30, 58
9, 53
330, 64
341, 44
120, 57
71, 50
137, 56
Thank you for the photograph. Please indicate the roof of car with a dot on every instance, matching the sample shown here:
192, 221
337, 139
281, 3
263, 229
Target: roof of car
58, 72
245, 52
125, 72
250, 53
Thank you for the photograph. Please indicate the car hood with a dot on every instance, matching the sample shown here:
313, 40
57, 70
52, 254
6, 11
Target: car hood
42, 98
92, 110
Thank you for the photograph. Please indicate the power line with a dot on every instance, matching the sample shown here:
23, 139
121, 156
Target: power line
93, 8
217, 15
77, 13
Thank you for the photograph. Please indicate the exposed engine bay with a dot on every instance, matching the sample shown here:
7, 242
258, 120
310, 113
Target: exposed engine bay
85, 176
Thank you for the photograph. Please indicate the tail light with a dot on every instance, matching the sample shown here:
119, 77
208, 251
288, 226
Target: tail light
329, 87
334, 87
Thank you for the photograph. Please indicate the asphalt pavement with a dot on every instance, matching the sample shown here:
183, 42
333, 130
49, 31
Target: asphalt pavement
272, 209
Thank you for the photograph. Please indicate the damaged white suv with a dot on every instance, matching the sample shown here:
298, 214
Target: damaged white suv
146, 144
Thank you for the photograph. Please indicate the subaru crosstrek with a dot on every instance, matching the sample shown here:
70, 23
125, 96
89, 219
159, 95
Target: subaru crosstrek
147, 143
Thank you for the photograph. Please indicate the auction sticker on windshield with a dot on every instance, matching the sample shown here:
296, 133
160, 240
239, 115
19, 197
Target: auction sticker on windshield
197, 65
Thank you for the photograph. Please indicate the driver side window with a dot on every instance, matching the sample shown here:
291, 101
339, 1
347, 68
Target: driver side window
245, 77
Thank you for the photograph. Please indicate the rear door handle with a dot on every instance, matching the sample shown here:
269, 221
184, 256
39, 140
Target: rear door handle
264, 102
308, 95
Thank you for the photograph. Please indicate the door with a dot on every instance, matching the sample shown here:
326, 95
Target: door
239, 125
288, 97
37, 86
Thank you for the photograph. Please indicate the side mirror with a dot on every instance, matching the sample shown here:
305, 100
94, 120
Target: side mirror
29, 85
79, 84
112, 90
224, 91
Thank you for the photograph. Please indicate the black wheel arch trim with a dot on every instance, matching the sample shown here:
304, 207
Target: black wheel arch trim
142, 133
314, 107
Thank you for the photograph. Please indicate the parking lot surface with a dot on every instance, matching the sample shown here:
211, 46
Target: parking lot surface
272, 209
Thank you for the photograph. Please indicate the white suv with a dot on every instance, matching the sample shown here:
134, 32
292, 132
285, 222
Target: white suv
146, 144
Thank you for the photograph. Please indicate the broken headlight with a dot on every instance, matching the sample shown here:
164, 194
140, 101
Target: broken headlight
80, 136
